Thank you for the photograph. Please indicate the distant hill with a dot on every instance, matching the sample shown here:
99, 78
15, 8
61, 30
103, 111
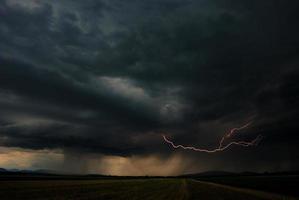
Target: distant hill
2, 170
210, 173
57, 174
20, 171
225, 173
42, 174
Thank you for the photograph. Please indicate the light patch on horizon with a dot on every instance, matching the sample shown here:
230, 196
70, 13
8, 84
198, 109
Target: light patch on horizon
151, 165
18, 158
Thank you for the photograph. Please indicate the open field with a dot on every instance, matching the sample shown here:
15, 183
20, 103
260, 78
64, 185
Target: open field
154, 189
283, 184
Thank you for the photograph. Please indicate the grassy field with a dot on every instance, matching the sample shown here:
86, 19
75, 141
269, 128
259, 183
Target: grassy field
154, 189
283, 184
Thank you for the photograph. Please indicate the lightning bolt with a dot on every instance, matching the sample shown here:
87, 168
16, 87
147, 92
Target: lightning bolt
221, 147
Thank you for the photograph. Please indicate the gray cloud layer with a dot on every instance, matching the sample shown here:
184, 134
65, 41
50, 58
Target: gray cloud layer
109, 76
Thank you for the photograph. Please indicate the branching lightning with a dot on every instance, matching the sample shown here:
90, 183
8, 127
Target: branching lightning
221, 147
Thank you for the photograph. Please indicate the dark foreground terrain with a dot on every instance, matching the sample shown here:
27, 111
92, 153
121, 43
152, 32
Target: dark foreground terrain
283, 184
147, 188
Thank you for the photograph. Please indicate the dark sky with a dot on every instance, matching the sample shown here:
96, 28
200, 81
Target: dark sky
90, 86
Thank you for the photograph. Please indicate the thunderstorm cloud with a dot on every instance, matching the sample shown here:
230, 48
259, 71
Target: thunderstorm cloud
92, 85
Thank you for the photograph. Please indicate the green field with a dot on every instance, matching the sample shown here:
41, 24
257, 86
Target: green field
154, 189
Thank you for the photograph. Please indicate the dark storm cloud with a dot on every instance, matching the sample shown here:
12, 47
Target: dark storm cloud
109, 76
45, 90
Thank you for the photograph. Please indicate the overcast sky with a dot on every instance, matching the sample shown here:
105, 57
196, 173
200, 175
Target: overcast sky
90, 86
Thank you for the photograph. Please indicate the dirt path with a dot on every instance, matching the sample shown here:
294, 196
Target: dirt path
184, 191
